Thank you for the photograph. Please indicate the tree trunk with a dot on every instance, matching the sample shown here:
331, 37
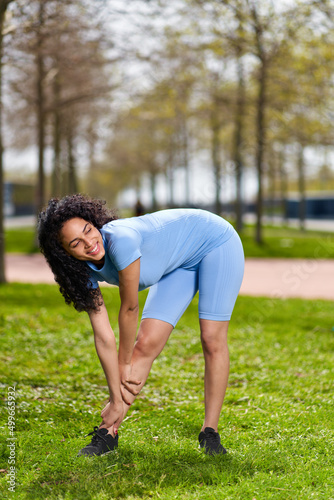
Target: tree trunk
215, 155
170, 183
169, 171
40, 198
271, 201
283, 185
260, 136
56, 174
185, 149
153, 190
72, 178
3, 7
301, 186
240, 112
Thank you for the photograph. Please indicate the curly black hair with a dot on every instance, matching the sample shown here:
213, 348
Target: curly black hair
72, 275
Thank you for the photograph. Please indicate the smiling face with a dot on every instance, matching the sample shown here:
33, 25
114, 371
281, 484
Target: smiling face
82, 240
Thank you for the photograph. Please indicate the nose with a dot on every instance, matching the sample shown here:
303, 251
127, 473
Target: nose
87, 242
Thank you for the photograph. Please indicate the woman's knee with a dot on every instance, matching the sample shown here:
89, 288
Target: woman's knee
152, 337
145, 345
214, 336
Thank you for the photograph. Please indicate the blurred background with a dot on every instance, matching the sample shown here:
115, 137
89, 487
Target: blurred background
225, 105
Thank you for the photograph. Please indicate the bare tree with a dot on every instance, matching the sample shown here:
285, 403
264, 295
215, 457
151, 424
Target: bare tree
62, 53
238, 143
40, 104
3, 8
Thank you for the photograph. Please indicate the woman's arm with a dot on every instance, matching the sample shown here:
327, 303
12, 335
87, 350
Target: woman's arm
128, 313
128, 322
106, 349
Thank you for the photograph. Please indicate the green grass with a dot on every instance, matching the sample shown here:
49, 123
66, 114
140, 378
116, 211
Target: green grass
283, 242
278, 242
277, 420
20, 240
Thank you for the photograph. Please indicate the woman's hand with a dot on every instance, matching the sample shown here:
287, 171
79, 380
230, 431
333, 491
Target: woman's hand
128, 384
112, 415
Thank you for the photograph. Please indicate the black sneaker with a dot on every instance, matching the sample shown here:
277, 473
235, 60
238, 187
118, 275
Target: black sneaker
209, 439
101, 443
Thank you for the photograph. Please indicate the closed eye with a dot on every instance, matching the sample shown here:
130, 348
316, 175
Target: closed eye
75, 242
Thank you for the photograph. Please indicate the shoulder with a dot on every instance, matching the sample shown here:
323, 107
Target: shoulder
117, 231
122, 243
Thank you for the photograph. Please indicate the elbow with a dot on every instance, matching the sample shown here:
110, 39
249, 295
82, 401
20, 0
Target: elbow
130, 309
134, 309
104, 342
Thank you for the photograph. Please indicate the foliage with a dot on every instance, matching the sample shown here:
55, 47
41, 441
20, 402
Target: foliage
149, 138
58, 82
149, 92
276, 423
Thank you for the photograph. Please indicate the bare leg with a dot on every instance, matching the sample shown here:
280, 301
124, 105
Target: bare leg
152, 337
217, 364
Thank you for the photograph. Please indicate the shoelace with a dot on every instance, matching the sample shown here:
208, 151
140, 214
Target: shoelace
211, 436
96, 436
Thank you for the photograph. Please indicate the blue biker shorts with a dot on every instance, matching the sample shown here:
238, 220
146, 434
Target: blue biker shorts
217, 278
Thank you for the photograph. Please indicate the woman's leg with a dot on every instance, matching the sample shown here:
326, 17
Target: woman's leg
220, 277
152, 337
166, 302
215, 349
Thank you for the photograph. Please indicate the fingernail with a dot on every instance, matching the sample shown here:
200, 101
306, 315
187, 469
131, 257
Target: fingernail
116, 432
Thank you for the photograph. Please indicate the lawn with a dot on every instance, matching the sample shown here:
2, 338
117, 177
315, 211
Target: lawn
20, 240
278, 242
285, 242
277, 421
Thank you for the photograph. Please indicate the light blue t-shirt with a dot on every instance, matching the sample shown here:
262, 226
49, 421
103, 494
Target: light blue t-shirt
164, 241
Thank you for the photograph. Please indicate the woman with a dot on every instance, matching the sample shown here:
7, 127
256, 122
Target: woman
174, 253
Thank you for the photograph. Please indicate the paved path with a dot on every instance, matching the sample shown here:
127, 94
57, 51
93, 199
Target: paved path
309, 279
